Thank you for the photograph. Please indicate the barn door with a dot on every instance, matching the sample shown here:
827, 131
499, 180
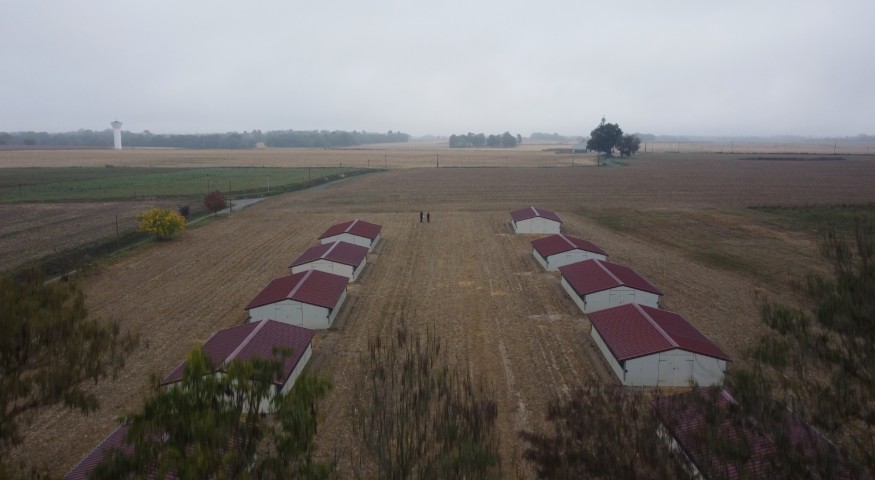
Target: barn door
666, 373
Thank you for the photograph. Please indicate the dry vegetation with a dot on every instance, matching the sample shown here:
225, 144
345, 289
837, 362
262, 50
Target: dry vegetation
464, 274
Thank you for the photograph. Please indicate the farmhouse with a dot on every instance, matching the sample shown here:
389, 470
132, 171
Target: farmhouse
650, 347
356, 232
535, 220
558, 250
596, 285
309, 299
339, 258
257, 340
683, 418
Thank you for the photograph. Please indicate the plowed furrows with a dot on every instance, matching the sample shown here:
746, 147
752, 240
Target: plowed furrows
175, 294
380, 305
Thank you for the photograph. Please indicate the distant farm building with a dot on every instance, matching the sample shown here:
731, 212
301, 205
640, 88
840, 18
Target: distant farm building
685, 416
309, 299
257, 340
596, 285
651, 347
339, 258
558, 250
535, 220
356, 232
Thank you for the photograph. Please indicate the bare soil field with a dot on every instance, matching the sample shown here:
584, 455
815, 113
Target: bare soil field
465, 275
372, 157
29, 232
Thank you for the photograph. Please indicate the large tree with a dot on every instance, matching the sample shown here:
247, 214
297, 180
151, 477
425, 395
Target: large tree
604, 138
628, 144
210, 426
48, 348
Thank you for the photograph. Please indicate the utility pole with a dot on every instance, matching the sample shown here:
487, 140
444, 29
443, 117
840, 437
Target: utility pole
386, 160
116, 232
437, 161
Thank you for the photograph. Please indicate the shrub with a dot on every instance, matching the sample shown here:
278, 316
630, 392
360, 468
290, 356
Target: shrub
215, 201
162, 222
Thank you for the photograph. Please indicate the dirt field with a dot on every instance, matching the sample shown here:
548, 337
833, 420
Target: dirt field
464, 274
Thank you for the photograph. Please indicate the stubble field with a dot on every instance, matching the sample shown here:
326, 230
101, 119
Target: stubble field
464, 275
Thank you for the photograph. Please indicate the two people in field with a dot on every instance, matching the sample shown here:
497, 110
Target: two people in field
427, 217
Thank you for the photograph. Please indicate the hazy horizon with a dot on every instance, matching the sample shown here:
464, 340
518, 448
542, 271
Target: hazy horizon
679, 68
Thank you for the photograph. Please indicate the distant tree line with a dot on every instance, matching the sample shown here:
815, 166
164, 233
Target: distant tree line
552, 137
330, 139
474, 140
229, 140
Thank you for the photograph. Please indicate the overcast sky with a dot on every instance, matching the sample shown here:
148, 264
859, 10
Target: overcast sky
743, 67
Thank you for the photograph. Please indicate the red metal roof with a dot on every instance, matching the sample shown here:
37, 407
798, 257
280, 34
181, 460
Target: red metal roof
338, 252
686, 415
632, 331
115, 440
591, 276
313, 287
253, 340
355, 227
532, 212
553, 244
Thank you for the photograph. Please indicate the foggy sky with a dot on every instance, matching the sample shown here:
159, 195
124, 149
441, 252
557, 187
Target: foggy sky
747, 67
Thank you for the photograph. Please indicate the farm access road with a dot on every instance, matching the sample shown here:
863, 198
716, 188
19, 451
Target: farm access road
464, 275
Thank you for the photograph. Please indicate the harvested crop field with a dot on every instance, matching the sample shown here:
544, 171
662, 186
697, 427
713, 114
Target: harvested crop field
464, 275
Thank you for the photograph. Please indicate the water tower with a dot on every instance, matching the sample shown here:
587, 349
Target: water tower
117, 134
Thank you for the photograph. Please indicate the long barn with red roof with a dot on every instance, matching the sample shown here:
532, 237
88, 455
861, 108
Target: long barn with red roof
651, 347
535, 220
309, 299
356, 232
596, 285
257, 340
339, 258
554, 251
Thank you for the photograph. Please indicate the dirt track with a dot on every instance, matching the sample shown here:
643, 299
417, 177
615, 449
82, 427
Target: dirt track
464, 274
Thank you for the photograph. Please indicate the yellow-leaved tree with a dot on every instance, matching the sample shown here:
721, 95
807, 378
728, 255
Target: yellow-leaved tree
162, 222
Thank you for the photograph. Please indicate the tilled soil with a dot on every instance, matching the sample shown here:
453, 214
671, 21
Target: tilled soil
464, 275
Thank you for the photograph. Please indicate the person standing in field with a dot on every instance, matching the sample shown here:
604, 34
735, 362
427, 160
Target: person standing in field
428, 217
420, 216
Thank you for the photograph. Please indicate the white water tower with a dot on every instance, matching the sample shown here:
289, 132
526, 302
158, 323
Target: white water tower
117, 134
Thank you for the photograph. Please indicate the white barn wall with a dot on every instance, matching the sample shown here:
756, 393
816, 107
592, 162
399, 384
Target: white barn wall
353, 239
536, 225
305, 315
571, 256
540, 259
674, 368
265, 406
574, 296
606, 352
336, 309
614, 297
328, 267
358, 270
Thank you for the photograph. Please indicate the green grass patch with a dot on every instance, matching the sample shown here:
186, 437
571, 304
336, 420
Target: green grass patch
820, 218
118, 183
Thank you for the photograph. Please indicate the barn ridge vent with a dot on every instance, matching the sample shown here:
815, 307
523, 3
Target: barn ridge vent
245, 341
619, 282
568, 241
327, 252
351, 225
535, 211
655, 325
300, 283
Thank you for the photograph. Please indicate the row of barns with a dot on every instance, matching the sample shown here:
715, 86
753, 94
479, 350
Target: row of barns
643, 344
283, 315
647, 346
